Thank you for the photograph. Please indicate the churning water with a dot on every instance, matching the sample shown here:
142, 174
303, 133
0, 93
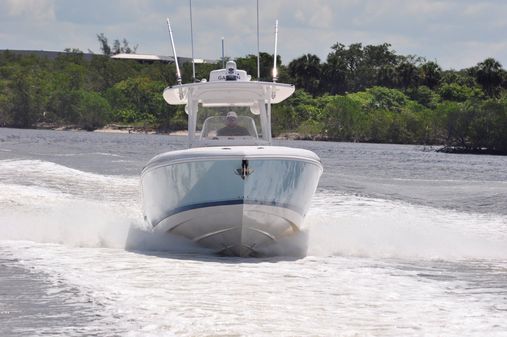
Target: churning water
401, 242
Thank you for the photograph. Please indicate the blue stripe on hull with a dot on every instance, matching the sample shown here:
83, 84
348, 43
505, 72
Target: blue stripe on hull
232, 202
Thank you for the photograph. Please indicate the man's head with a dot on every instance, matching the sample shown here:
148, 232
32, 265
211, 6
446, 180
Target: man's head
231, 119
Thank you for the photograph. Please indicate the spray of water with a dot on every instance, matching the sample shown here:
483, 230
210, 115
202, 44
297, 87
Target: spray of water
65, 206
50, 203
356, 226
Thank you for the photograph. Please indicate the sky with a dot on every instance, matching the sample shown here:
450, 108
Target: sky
454, 33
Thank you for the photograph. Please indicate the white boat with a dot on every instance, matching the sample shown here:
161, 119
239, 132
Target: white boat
236, 194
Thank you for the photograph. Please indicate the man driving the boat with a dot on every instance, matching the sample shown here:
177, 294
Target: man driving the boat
232, 128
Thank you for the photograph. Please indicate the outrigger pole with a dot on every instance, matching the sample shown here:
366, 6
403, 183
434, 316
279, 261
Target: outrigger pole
258, 51
192, 43
178, 74
275, 71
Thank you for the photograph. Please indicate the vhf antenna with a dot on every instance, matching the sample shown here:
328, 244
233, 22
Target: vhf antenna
258, 52
178, 74
275, 72
192, 43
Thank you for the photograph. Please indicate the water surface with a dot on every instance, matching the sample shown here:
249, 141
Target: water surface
401, 242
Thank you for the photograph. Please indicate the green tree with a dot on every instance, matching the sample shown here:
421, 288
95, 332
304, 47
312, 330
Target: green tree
488, 129
490, 75
63, 106
355, 68
342, 118
118, 47
378, 125
104, 44
122, 47
5, 105
306, 72
457, 92
431, 74
407, 75
386, 99
424, 95
94, 110
334, 71
26, 94
142, 97
462, 77
249, 63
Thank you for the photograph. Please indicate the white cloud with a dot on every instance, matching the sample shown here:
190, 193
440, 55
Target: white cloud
425, 7
39, 10
318, 14
457, 33
477, 8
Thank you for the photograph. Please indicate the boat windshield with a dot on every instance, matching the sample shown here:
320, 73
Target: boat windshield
224, 126
219, 126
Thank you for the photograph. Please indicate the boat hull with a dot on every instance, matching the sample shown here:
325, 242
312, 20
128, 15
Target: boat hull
236, 201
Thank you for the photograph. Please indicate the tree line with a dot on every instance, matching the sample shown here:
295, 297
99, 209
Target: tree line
359, 93
371, 94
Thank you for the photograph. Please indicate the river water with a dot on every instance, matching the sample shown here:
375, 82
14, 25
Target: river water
402, 241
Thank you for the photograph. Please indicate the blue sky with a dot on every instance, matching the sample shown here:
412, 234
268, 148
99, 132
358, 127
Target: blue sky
455, 33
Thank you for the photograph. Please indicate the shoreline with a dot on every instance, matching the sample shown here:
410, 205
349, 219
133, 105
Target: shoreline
111, 128
128, 129
138, 130
465, 150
